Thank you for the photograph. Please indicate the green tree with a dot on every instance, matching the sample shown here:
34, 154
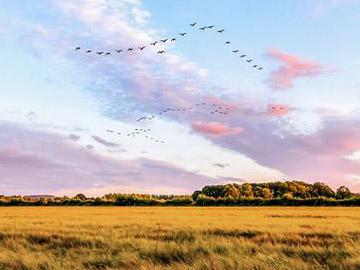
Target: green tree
195, 195
215, 191
343, 193
321, 189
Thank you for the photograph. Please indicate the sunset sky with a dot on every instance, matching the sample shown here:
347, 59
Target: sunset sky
297, 119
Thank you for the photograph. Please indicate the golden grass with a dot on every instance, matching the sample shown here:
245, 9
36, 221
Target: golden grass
179, 238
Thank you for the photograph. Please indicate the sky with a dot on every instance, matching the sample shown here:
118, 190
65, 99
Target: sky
298, 118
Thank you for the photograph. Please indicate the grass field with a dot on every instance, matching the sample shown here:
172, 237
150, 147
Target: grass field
179, 238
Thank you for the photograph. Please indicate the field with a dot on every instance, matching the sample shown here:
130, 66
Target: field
179, 238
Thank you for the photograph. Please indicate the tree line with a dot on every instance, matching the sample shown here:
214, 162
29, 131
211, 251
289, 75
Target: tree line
292, 193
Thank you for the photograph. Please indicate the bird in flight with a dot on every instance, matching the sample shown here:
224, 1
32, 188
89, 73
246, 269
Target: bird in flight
249, 61
173, 39
160, 52
255, 66
203, 28
118, 51
130, 49
107, 53
182, 34
164, 40
227, 42
243, 55
193, 24
99, 53
211, 26
77, 48
88, 51
141, 48
260, 68
221, 31
141, 118
235, 51
153, 43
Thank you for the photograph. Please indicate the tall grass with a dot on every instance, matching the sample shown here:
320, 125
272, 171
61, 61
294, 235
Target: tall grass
179, 238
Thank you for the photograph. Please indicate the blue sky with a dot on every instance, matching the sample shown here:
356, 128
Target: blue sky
298, 118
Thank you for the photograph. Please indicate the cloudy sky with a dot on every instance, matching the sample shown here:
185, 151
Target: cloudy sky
297, 118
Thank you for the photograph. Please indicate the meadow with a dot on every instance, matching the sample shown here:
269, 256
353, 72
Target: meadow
179, 238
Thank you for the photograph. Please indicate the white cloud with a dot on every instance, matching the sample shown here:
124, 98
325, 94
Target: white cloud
140, 16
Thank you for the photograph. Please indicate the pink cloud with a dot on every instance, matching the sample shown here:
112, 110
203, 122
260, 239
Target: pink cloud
33, 162
291, 68
277, 109
215, 129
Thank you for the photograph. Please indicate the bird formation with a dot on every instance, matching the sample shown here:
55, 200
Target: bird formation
166, 41
144, 133
212, 108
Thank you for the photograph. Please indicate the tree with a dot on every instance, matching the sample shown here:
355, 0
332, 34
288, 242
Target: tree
266, 193
80, 197
231, 191
321, 189
343, 193
247, 191
216, 191
195, 195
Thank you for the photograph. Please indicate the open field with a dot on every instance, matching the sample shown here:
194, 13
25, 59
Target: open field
179, 238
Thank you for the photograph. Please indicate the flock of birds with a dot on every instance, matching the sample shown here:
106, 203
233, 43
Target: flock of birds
167, 41
145, 133
210, 107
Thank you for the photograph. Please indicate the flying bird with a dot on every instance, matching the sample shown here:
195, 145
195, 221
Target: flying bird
107, 53
173, 39
260, 68
182, 34
130, 49
160, 52
153, 43
235, 51
221, 31
203, 28
88, 51
254, 66
249, 61
141, 118
227, 42
141, 48
243, 55
193, 24
99, 53
118, 51
211, 26
77, 48
164, 40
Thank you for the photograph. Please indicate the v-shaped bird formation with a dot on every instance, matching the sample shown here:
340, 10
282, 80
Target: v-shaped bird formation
209, 107
169, 40
137, 132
